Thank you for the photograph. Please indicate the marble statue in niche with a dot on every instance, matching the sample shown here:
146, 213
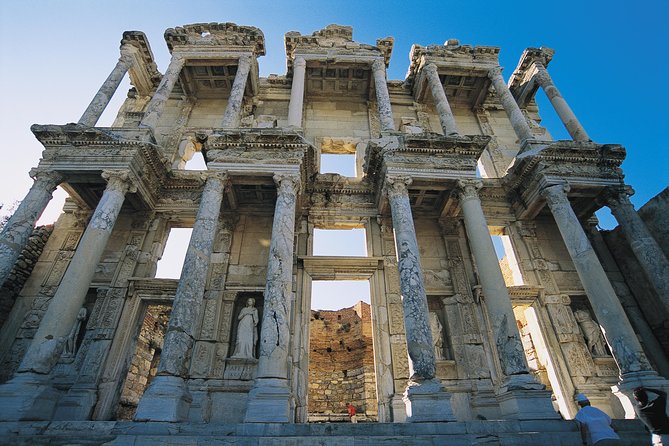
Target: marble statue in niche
70, 348
437, 336
247, 331
592, 333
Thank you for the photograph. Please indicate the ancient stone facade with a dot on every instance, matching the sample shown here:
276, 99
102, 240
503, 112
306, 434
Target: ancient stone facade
444, 158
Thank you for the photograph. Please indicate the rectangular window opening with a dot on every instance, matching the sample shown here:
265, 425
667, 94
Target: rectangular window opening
507, 259
172, 261
340, 242
342, 164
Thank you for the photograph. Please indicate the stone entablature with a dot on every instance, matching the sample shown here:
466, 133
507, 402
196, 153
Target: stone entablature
230, 36
522, 82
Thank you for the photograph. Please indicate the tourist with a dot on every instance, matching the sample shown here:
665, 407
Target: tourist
595, 425
351, 412
653, 413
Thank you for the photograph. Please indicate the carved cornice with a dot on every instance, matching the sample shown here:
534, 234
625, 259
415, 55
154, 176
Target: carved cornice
138, 40
228, 35
331, 40
525, 70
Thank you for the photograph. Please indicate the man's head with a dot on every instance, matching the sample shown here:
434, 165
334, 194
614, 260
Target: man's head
582, 400
641, 396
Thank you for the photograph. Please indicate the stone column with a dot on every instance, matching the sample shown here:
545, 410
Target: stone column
443, 108
424, 397
519, 396
19, 227
516, 116
155, 107
232, 110
297, 93
646, 249
108, 88
382, 96
270, 398
167, 398
610, 315
567, 116
29, 394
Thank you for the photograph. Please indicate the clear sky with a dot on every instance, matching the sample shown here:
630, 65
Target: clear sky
611, 61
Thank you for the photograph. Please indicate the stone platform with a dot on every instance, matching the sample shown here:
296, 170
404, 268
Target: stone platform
544, 433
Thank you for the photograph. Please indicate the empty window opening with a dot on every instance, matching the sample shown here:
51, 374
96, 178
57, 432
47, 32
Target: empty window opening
144, 363
507, 259
170, 264
340, 242
196, 162
54, 209
344, 165
341, 355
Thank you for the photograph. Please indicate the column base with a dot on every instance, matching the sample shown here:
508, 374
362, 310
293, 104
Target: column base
427, 401
166, 399
522, 398
270, 401
630, 381
399, 408
77, 404
28, 396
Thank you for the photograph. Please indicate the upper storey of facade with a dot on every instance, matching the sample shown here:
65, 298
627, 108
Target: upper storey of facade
453, 105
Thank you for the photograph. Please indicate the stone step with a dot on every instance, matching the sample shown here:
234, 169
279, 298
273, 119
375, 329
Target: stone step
126, 433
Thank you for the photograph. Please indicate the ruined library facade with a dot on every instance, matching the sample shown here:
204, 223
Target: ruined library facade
445, 161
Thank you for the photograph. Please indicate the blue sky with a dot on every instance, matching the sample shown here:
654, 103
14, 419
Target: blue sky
611, 61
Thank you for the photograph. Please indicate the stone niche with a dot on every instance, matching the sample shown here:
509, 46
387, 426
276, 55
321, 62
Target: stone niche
341, 364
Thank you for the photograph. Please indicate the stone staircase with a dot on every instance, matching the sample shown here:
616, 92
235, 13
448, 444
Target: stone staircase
507, 433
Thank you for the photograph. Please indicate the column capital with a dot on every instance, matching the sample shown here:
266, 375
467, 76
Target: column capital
127, 52
119, 180
287, 182
556, 193
542, 76
431, 67
495, 72
378, 64
48, 179
223, 177
245, 59
397, 185
616, 196
299, 62
468, 189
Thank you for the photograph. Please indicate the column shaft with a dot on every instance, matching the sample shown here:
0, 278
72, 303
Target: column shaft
443, 108
498, 302
297, 93
563, 110
231, 116
274, 334
382, 96
646, 249
190, 291
414, 298
619, 334
108, 88
516, 116
71, 294
19, 227
157, 104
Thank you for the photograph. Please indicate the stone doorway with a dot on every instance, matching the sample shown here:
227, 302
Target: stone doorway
145, 359
341, 358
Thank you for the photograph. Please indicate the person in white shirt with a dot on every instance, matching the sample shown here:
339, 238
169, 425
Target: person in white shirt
595, 425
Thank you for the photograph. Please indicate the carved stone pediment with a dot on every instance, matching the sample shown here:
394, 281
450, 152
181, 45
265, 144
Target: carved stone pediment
587, 167
229, 35
334, 40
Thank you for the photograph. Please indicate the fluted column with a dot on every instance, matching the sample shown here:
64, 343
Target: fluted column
29, 395
231, 116
412, 284
563, 110
498, 302
269, 399
516, 116
157, 104
646, 249
382, 96
619, 334
297, 93
108, 88
19, 227
443, 108
167, 397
